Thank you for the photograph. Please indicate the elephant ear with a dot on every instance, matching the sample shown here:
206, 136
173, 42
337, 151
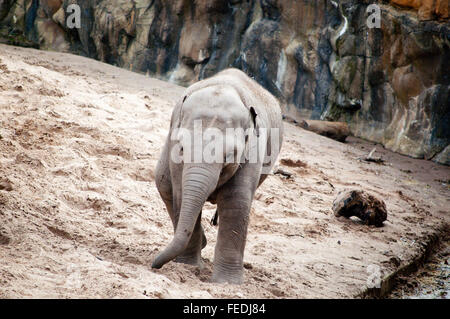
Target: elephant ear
175, 121
255, 120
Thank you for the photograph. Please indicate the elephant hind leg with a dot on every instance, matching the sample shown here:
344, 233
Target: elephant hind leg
215, 219
262, 179
204, 241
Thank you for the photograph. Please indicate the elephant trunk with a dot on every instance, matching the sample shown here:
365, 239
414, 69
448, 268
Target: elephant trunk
199, 181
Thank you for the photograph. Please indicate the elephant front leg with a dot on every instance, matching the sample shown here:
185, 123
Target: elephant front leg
234, 202
192, 254
234, 209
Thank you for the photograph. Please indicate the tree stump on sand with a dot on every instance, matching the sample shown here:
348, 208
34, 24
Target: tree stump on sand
369, 209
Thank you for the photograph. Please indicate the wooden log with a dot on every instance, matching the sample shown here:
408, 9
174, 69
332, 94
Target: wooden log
371, 210
336, 130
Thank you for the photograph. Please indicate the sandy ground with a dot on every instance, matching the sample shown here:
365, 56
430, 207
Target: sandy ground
80, 215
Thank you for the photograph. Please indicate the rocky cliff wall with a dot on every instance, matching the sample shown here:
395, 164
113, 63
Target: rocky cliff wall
320, 58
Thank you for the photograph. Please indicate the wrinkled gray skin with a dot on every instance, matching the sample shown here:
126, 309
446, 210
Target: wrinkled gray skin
228, 99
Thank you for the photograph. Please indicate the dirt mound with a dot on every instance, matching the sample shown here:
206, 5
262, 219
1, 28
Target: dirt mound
80, 215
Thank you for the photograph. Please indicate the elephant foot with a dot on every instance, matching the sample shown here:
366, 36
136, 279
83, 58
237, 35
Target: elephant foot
192, 254
195, 260
235, 277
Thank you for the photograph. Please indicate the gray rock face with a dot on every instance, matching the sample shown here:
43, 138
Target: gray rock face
320, 58
391, 83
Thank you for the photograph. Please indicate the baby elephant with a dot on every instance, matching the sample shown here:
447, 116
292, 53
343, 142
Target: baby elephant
225, 135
